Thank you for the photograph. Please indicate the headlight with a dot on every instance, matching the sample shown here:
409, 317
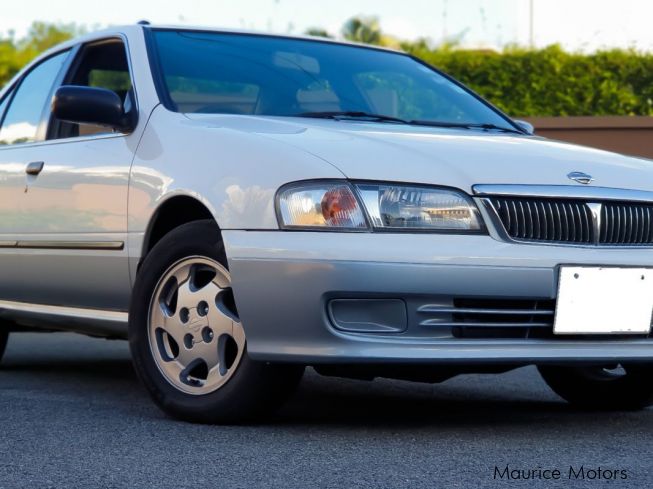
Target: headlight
397, 207
320, 205
339, 205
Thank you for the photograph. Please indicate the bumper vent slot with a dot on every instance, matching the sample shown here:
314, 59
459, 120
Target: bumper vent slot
492, 313
572, 221
491, 318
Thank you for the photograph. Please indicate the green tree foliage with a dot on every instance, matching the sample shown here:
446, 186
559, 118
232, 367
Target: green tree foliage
15, 53
10, 61
550, 81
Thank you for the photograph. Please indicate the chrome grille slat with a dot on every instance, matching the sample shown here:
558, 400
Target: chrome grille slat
617, 224
545, 222
565, 224
571, 221
550, 221
613, 224
515, 218
622, 224
537, 221
587, 223
640, 225
603, 234
522, 220
572, 227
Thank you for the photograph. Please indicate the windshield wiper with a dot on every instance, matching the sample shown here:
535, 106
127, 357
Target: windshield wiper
464, 125
366, 116
353, 115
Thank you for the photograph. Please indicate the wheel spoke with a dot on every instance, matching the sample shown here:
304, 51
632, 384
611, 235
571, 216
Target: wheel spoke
186, 298
182, 274
186, 355
209, 353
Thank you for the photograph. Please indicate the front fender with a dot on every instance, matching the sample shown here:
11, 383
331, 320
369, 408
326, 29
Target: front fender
234, 172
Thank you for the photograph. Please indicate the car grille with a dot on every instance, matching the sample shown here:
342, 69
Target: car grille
626, 224
576, 221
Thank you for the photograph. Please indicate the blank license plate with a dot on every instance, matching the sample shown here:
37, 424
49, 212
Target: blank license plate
610, 300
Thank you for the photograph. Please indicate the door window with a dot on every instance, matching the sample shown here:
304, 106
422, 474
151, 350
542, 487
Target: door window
23, 118
100, 65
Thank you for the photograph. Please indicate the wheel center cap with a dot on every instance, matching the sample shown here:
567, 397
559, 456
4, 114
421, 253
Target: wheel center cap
195, 321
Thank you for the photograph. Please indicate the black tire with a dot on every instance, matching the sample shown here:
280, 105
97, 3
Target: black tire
4, 336
595, 388
254, 390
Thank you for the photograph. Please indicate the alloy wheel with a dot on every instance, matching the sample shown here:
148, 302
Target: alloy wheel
195, 334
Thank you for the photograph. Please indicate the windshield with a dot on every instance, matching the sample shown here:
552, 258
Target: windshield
221, 73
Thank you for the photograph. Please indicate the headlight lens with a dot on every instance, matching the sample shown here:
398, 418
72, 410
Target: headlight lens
321, 205
419, 208
339, 206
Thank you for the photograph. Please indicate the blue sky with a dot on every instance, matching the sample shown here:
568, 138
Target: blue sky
576, 24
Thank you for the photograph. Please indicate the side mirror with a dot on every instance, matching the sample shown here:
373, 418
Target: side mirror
527, 127
97, 106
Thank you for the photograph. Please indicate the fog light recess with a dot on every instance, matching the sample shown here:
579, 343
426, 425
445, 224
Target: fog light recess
368, 315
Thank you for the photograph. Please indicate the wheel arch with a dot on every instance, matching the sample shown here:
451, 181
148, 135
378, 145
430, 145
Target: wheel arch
171, 213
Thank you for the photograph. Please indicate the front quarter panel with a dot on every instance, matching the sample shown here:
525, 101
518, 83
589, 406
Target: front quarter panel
234, 172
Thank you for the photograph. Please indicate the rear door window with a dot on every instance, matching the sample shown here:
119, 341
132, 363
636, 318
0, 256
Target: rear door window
23, 118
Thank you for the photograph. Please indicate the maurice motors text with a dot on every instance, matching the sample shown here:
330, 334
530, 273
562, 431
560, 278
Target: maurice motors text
570, 473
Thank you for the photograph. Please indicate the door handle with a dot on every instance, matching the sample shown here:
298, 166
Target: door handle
34, 168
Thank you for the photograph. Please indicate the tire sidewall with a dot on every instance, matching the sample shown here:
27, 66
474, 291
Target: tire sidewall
4, 337
194, 239
577, 385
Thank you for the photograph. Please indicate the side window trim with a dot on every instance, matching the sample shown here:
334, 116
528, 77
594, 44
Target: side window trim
67, 74
8, 97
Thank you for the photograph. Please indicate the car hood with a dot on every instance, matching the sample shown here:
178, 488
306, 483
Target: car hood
438, 156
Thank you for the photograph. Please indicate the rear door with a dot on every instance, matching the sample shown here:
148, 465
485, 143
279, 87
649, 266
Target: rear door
22, 131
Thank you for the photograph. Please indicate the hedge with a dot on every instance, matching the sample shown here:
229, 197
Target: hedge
552, 82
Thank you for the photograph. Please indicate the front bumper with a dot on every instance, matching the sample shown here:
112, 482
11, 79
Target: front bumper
284, 281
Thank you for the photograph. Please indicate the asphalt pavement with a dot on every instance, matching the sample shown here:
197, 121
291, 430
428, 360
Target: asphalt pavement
73, 415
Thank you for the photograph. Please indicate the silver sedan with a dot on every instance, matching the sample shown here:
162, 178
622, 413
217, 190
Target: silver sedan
241, 206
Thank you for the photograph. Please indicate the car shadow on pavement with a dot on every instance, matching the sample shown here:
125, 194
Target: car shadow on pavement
516, 399
473, 401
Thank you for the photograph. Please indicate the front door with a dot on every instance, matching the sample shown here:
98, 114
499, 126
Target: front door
65, 198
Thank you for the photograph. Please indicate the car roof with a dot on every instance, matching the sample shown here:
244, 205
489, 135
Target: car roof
306, 37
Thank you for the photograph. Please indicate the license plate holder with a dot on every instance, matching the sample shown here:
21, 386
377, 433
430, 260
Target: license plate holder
604, 300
